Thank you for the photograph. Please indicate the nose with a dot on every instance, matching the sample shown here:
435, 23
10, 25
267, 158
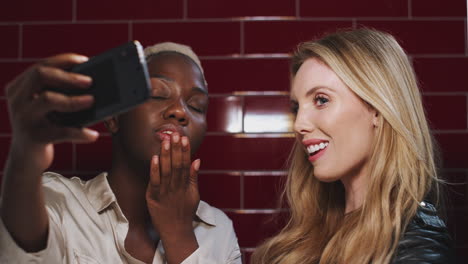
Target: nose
303, 123
178, 112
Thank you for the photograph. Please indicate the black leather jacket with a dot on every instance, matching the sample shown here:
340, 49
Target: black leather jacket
426, 240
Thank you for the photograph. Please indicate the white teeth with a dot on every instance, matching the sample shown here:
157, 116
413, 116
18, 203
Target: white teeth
167, 132
314, 148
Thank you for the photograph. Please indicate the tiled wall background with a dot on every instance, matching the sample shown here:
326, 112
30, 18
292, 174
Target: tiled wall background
244, 47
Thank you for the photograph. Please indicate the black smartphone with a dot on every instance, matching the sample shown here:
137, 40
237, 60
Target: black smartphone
120, 82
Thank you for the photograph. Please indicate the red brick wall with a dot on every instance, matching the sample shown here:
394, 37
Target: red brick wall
244, 45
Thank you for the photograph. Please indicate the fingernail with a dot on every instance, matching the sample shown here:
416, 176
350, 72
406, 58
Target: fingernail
84, 78
93, 133
196, 166
81, 58
176, 138
184, 141
166, 144
155, 159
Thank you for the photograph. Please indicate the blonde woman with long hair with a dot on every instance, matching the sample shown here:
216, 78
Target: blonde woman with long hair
362, 185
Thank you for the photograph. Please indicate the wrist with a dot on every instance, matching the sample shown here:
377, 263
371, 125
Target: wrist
26, 157
179, 246
177, 232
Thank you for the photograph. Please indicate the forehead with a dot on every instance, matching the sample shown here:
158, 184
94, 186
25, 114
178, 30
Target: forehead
176, 67
314, 73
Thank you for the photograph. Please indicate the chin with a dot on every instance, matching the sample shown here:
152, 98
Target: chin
326, 177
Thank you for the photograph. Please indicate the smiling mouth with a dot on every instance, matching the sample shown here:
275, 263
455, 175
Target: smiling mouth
314, 149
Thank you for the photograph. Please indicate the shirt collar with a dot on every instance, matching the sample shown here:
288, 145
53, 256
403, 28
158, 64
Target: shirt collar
99, 192
101, 196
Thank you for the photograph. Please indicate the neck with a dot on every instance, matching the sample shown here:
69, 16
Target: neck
355, 190
129, 186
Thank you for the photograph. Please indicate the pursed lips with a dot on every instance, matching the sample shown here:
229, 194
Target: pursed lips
166, 131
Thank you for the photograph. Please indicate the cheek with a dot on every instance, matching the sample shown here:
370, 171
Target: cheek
197, 133
354, 136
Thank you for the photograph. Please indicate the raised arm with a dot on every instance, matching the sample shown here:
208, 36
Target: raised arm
22, 207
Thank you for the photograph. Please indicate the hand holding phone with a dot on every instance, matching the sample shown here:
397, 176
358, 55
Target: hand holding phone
120, 81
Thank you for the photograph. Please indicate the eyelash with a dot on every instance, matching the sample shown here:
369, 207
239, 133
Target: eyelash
158, 97
319, 100
198, 110
294, 108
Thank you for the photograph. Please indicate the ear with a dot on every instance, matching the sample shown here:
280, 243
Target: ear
112, 124
375, 118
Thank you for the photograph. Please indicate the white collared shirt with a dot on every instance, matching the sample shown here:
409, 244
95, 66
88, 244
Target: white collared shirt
86, 225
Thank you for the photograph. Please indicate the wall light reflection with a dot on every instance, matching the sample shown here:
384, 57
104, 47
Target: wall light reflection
268, 122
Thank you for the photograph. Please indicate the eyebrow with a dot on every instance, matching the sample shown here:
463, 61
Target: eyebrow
194, 89
200, 90
311, 91
161, 77
315, 88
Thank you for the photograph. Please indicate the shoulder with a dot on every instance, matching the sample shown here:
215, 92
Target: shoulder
426, 239
62, 193
427, 218
57, 186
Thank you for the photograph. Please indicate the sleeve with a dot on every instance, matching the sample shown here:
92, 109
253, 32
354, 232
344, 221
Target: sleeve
12, 253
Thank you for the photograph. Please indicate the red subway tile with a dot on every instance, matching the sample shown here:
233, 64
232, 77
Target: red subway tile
63, 157
95, 156
450, 221
454, 148
9, 71
444, 37
263, 191
24, 10
456, 188
10, 42
425, 8
461, 253
460, 218
442, 74
283, 36
239, 8
221, 190
446, 111
357, 8
225, 114
227, 76
4, 148
238, 153
265, 114
5, 126
199, 35
88, 39
254, 228
136, 9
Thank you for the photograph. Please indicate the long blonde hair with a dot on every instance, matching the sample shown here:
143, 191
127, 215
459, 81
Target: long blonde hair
402, 167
